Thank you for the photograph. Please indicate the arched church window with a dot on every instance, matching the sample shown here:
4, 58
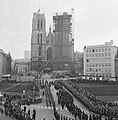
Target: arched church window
41, 24
38, 24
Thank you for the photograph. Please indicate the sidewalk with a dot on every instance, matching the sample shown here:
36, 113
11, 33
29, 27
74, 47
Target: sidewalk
42, 111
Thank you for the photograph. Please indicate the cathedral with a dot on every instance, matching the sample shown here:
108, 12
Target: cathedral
54, 50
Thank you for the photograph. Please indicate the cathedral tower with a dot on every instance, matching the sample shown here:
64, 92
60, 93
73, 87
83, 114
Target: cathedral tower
64, 42
38, 38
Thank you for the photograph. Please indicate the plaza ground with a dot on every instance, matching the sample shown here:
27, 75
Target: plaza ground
102, 91
16, 88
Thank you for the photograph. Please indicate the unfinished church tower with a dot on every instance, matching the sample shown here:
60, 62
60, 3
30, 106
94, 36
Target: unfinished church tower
63, 41
38, 38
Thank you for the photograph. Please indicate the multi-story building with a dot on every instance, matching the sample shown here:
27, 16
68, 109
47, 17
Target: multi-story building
22, 66
99, 60
5, 63
63, 41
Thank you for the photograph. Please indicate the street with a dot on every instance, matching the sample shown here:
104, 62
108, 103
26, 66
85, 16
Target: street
42, 111
64, 112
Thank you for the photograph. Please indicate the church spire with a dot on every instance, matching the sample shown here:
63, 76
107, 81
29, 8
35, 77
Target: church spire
38, 11
39, 8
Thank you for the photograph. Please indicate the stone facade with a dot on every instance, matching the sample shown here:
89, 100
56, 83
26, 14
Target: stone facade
38, 39
55, 49
64, 43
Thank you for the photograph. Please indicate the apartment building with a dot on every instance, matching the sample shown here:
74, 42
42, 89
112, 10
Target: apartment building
99, 60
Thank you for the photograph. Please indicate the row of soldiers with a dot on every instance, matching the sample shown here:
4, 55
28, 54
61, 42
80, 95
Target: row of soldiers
95, 105
64, 98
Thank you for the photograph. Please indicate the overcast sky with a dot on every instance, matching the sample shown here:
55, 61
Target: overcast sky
95, 22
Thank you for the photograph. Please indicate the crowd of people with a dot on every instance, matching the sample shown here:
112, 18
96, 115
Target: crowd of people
101, 108
12, 108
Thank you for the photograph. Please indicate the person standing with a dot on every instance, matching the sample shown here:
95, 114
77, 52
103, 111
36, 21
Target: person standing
29, 112
34, 114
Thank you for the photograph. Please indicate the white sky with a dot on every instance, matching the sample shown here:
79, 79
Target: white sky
95, 22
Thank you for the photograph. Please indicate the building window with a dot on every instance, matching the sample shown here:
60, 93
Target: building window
93, 50
109, 49
99, 50
38, 39
99, 55
87, 60
41, 24
87, 51
109, 54
102, 50
41, 38
59, 38
38, 24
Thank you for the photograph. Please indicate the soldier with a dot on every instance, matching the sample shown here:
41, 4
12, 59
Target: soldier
61, 117
24, 108
29, 112
33, 116
34, 111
